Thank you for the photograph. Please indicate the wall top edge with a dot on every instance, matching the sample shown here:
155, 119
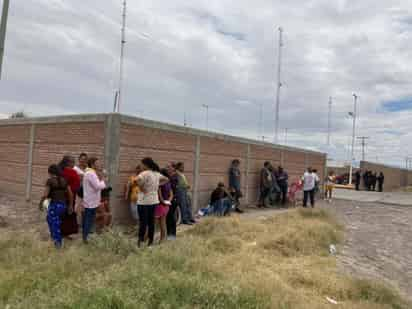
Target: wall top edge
125, 119
55, 119
385, 166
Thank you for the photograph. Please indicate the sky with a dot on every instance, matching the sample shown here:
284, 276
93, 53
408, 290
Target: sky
62, 57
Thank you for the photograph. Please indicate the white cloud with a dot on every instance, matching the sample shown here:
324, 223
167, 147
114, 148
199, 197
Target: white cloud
62, 57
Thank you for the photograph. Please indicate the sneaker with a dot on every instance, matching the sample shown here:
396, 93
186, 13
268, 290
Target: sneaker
187, 223
238, 210
171, 238
193, 221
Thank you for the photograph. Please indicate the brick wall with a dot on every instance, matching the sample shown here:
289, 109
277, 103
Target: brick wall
29, 146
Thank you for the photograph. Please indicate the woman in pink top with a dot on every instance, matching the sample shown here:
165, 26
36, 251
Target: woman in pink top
93, 184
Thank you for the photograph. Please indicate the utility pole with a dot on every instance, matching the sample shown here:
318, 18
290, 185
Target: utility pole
119, 91
364, 144
329, 119
206, 106
279, 85
3, 28
286, 136
355, 100
261, 125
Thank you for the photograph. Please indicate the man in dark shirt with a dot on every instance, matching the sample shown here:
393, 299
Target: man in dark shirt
220, 200
357, 179
282, 178
234, 183
266, 183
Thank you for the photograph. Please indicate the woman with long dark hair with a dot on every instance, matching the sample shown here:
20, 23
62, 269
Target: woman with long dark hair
148, 181
161, 210
61, 200
69, 224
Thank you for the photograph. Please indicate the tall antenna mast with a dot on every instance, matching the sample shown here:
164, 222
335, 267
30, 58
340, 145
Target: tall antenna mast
119, 93
3, 28
279, 85
329, 120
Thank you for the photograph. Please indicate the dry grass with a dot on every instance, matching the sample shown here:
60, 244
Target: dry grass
281, 262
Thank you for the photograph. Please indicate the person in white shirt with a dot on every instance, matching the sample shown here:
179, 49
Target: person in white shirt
93, 184
148, 198
309, 183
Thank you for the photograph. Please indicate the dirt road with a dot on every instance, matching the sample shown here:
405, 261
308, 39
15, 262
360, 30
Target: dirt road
378, 242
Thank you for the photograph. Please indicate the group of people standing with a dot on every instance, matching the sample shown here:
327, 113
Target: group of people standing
74, 194
371, 180
273, 185
154, 195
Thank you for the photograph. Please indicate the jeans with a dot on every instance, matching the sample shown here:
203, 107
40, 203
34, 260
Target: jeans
89, 218
306, 195
183, 201
55, 213
284, 193
171, 219
264, 193
146, 222
222, 207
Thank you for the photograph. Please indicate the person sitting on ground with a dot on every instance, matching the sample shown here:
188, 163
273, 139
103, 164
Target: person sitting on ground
265, 184
220, 201
132, 192
161, 211
330, 185
234, 184
60, 201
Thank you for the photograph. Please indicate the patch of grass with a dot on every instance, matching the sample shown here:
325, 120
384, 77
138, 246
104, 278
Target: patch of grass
280, 262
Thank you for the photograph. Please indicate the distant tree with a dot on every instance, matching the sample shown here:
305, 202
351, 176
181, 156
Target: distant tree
18, 115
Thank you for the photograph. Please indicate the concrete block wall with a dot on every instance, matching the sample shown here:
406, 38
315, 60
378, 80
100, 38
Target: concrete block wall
395, 178
29, 146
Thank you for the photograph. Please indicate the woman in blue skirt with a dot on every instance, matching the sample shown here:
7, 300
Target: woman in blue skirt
60, 198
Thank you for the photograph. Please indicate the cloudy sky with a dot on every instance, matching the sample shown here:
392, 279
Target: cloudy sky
62, 57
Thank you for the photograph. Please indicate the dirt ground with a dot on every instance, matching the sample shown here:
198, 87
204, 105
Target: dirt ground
378, 242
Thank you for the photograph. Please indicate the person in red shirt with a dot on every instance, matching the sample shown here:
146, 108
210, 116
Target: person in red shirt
69, 223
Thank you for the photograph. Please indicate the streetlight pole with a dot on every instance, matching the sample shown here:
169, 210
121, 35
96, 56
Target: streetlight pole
261, 126
206, 106
355, 99
3, 28
329, 119
279, 85
286, 136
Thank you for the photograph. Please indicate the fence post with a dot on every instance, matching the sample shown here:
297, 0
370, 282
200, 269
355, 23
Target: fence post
29, 173
196, 175
111, 155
